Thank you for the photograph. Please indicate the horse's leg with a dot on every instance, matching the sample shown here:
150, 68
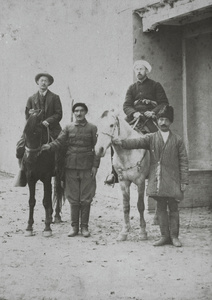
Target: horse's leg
32, 202
47, 203
57, 216
125, 189
141, 207
155, 218
58, 199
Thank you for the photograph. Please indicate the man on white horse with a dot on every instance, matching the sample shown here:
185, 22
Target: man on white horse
168, 175
143, 100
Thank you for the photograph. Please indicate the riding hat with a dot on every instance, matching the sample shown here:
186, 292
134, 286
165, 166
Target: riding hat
166, 112
143, 63
80, 104
51, 79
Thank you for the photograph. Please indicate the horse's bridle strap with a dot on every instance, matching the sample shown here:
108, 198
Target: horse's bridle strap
116, 125
32, 150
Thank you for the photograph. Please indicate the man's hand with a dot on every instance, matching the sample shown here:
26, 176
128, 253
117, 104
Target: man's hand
183, 187
45, 147
117, 141
45, 123
136, 115
31, 111
149, 114
93, 172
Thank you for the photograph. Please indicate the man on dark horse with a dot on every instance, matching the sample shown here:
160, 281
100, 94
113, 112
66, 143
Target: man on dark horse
51, 107
143, 100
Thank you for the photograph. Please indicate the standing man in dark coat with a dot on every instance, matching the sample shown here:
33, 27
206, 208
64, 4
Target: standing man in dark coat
49, 103
168, 175
81, 165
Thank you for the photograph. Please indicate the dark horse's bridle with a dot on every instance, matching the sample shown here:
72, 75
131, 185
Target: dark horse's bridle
34, 150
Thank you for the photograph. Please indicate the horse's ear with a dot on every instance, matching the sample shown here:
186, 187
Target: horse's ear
105, 113
115, 112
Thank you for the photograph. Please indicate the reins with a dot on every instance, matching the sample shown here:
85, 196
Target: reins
48, 137
138, 164
117, 124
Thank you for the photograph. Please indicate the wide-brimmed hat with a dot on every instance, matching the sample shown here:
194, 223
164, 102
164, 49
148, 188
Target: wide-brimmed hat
143, 63
80, 104
51, 79
166, 112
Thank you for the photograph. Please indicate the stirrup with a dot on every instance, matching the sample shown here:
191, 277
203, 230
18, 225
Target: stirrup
110, 181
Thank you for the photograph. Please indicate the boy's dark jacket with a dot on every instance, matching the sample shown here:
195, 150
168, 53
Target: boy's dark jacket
168, 163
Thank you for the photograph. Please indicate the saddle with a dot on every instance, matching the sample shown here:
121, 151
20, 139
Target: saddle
144, 125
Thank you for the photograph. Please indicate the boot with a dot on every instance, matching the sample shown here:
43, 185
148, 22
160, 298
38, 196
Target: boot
85, 213
174, 228
164, 229
74, 220
20, 179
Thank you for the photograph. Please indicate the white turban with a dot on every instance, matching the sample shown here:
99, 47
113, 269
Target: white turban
142, 63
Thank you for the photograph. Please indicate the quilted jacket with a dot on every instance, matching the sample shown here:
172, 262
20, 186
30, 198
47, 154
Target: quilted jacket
80, 140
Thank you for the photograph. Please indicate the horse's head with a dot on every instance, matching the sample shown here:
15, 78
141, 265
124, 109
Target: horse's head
33, 129
108, 127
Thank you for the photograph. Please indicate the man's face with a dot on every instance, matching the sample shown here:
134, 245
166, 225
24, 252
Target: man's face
164, 124
43, 83
140, 72
79, 113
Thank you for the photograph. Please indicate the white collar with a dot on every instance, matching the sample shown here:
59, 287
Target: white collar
165, 135
44, 93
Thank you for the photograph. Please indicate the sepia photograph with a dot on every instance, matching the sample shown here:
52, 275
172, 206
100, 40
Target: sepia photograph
106, 150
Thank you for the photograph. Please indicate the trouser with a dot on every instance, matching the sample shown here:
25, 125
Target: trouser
169, 223
80, 189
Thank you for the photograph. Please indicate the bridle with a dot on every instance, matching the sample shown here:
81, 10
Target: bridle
116, 125
34, 150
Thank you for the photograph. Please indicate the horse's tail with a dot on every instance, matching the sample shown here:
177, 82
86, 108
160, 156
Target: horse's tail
59, 180
58, 193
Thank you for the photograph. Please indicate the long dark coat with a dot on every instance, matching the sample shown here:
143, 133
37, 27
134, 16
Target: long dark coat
148, 89
53, 110
168, 163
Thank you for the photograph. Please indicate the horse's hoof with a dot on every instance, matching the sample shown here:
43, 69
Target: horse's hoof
47, 233
57, 220
29, 233
155, 222
143, 237
122, 237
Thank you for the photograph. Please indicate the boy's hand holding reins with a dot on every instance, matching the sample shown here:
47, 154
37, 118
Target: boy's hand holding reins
117, 141
183, 187
45, 147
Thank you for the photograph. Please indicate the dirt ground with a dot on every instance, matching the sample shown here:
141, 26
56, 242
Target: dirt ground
63, 268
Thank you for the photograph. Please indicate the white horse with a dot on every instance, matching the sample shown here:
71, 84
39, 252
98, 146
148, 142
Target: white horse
132, 166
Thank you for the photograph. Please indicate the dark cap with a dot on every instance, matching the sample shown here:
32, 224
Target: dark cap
80, 104
166, 112
51, 79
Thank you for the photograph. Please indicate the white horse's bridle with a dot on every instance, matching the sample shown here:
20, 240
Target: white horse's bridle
116, 125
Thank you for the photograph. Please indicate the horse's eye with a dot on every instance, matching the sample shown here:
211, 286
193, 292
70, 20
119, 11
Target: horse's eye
111, 125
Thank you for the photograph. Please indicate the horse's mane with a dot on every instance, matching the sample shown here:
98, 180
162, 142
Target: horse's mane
30, 124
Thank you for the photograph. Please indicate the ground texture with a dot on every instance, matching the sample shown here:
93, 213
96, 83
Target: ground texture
63, 268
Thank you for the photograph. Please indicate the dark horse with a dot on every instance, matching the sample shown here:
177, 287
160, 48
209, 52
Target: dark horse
41, 166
